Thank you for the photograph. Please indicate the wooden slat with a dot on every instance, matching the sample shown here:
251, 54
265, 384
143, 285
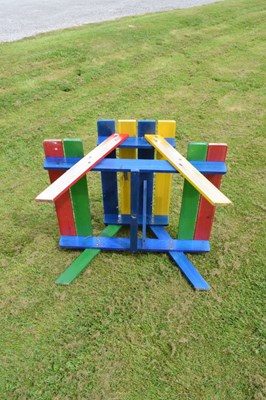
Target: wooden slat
128, 127
137, 142
183, 263
190, 197
70, 177
84, 259
79, 191
146, 127
163, 182
134, 204
216, 152
144, 166
106, 127
63, 206
144, 213
124, 244
185, 168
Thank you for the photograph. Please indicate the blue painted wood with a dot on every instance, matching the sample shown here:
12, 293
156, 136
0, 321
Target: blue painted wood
186, 267
124, 219
147, 127
134, 210
144, 214
120, 244
126, 165
51, 163
137, 142
106, 128
84, 259
144, 127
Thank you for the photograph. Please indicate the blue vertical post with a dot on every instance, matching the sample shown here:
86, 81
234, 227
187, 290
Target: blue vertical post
134, 200
106, 127
144, 214
146, 126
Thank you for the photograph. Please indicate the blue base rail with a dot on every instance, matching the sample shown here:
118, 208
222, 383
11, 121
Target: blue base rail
183, 263
120, 244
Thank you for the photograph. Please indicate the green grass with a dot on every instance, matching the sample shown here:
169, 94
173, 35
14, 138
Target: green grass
130, 327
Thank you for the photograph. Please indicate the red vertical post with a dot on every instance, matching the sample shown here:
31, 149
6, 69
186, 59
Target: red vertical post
63, 205
216, 152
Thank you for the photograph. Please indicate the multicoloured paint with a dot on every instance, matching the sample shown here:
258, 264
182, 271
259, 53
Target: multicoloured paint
142, 197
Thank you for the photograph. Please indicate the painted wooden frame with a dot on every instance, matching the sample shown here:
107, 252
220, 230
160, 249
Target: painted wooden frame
132, 203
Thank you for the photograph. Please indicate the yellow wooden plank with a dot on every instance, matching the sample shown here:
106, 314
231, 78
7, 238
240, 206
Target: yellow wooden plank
185, 168
130, 128
163, 182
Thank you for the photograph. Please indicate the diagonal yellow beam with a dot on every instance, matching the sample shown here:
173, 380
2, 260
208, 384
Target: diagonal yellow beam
185, 168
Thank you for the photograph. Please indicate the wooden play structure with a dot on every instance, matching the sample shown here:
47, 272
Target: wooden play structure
144, 160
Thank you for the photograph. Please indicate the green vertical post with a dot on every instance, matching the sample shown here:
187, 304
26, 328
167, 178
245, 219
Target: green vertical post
79, 191
191, 197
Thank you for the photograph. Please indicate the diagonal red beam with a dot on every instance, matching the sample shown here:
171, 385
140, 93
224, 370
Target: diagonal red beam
62, 184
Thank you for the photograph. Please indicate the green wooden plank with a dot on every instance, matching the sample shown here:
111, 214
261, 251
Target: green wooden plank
79, 191
191, 197
84, 259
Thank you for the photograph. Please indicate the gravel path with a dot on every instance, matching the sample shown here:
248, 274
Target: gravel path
22, 18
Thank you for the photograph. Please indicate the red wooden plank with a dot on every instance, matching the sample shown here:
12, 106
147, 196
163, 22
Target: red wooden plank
63, 205
216, 152
56, 189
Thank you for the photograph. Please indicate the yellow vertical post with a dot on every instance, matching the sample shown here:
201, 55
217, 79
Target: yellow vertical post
130, 128
163, 182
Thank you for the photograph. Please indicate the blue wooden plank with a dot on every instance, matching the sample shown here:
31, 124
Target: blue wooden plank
144, 127
187, 268
124, 219
144, 214
137, 142
109, 178
105, 128
51, 163
126, 165
84, 259
134, 210
120, 244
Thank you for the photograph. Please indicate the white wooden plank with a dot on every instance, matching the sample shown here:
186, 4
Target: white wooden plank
202, 184
70, 177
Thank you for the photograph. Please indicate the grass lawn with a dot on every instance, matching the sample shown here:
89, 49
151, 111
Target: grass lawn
130, 327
